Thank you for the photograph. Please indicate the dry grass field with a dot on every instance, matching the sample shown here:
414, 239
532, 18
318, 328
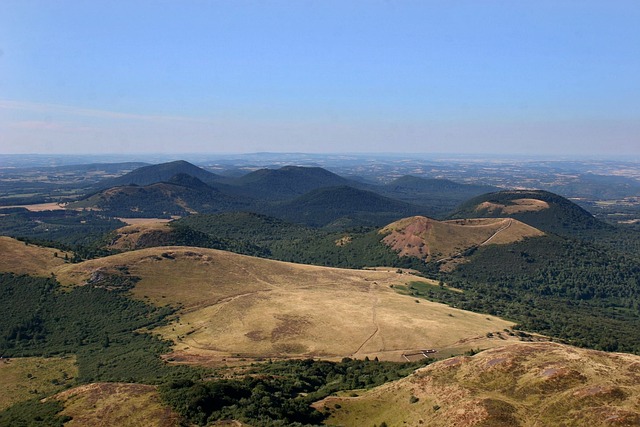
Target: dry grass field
139, 230
529, 384
430, 240
39, 207
115, 404
517, 206
27, 377
239, 306
20, 258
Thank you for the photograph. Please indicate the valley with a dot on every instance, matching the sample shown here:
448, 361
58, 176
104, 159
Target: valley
171, 294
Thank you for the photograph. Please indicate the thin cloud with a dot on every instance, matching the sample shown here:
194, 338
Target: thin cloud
37, 107
45, 125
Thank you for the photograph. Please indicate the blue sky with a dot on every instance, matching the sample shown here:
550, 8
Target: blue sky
520, 77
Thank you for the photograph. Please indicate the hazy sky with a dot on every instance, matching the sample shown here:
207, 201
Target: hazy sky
476, 76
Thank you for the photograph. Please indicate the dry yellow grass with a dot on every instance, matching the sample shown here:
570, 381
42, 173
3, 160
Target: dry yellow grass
517, 206
145, 221
19, 258
116, 404
528, 384
438, 240
39, 207
134, 235
239, 305
24, 378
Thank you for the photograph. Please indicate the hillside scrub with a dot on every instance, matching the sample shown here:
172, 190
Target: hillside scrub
98, 325
581, 293
278, 393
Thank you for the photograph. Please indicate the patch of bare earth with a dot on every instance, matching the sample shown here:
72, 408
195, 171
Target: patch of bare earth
145, 221
528, 384
343, 241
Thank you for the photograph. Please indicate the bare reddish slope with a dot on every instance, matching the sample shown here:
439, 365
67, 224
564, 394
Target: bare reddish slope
429, 239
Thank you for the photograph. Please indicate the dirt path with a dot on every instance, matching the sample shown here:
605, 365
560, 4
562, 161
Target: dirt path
486, 242
500, 230
218, 306
374, 315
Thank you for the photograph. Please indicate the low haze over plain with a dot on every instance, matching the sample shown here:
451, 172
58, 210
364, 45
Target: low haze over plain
507, 77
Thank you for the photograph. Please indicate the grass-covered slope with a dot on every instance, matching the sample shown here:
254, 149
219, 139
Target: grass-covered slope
232, 304
565, 288
23, 258
115, 404
25, 378
543, 384
438, 241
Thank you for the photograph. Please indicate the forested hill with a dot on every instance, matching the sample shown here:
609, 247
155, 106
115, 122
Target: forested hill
437, 197
346, 204
163, 172
546, 211
180, 195
441, 188
285, 183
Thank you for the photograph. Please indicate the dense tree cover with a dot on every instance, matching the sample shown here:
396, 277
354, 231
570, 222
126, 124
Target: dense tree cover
284, 183
14, 191
162, 200
337, 206
79, 252
186, 236
582, 293
623, 238
277, 393
69, 228
97, 325
269, 237
34, 413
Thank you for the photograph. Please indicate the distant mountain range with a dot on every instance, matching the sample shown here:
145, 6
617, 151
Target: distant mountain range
306, 195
